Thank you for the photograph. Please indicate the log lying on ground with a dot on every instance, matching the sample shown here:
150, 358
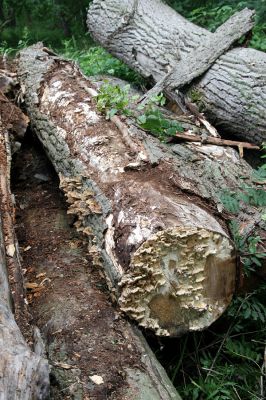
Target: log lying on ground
153, 39
24, 374
149, 215
93, 352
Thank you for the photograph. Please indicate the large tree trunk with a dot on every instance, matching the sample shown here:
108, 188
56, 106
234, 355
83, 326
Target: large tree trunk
93, 352
148, 214
24, 373
152, 39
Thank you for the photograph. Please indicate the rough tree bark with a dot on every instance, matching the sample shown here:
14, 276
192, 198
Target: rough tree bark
93, 352
24, 373
153, 39
149, 215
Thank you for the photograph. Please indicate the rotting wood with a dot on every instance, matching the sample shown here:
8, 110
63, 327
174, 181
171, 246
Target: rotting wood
14, 125
127, 217
84, 335
24, 374
155, 39
143, 216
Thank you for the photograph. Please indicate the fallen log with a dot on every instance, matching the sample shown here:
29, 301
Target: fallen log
24, 374
156, 41
93, 352
151, 218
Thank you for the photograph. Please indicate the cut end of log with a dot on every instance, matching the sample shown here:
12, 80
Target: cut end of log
181, 279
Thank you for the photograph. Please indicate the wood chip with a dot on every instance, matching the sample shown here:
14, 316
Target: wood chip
98, 380
31, 285
64, 365
27, 248
41, 275
10, 250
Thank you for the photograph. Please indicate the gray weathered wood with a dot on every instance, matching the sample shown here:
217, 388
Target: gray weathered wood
24, 375
200, 60
152, 38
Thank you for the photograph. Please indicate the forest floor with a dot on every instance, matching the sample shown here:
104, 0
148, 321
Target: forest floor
84, 335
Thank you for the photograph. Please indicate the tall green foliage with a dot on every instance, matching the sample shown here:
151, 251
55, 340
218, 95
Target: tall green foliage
55, 20
48, 20
212, 13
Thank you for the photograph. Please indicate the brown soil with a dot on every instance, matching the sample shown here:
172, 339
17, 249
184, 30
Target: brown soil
84, 334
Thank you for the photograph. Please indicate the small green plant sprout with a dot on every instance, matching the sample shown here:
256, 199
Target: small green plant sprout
153, 120
114, 99
195, 96
155, 100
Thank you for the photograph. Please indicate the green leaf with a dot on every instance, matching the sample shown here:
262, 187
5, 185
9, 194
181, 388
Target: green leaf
171, 131
142, 119
111, 113
230, 202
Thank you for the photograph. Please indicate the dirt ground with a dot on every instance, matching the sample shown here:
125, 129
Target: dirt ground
84, 334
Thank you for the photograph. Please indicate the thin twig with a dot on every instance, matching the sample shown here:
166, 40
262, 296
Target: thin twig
217, 141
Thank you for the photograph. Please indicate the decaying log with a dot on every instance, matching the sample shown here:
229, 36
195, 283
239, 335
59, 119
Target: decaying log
154, 40
14, 125
93, 352
24, 374
150, 217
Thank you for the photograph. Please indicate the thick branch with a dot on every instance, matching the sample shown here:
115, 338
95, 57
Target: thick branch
232, 93
198, 61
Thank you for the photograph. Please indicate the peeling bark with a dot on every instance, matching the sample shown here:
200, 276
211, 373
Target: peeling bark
149, 217
24, 374
153, 39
